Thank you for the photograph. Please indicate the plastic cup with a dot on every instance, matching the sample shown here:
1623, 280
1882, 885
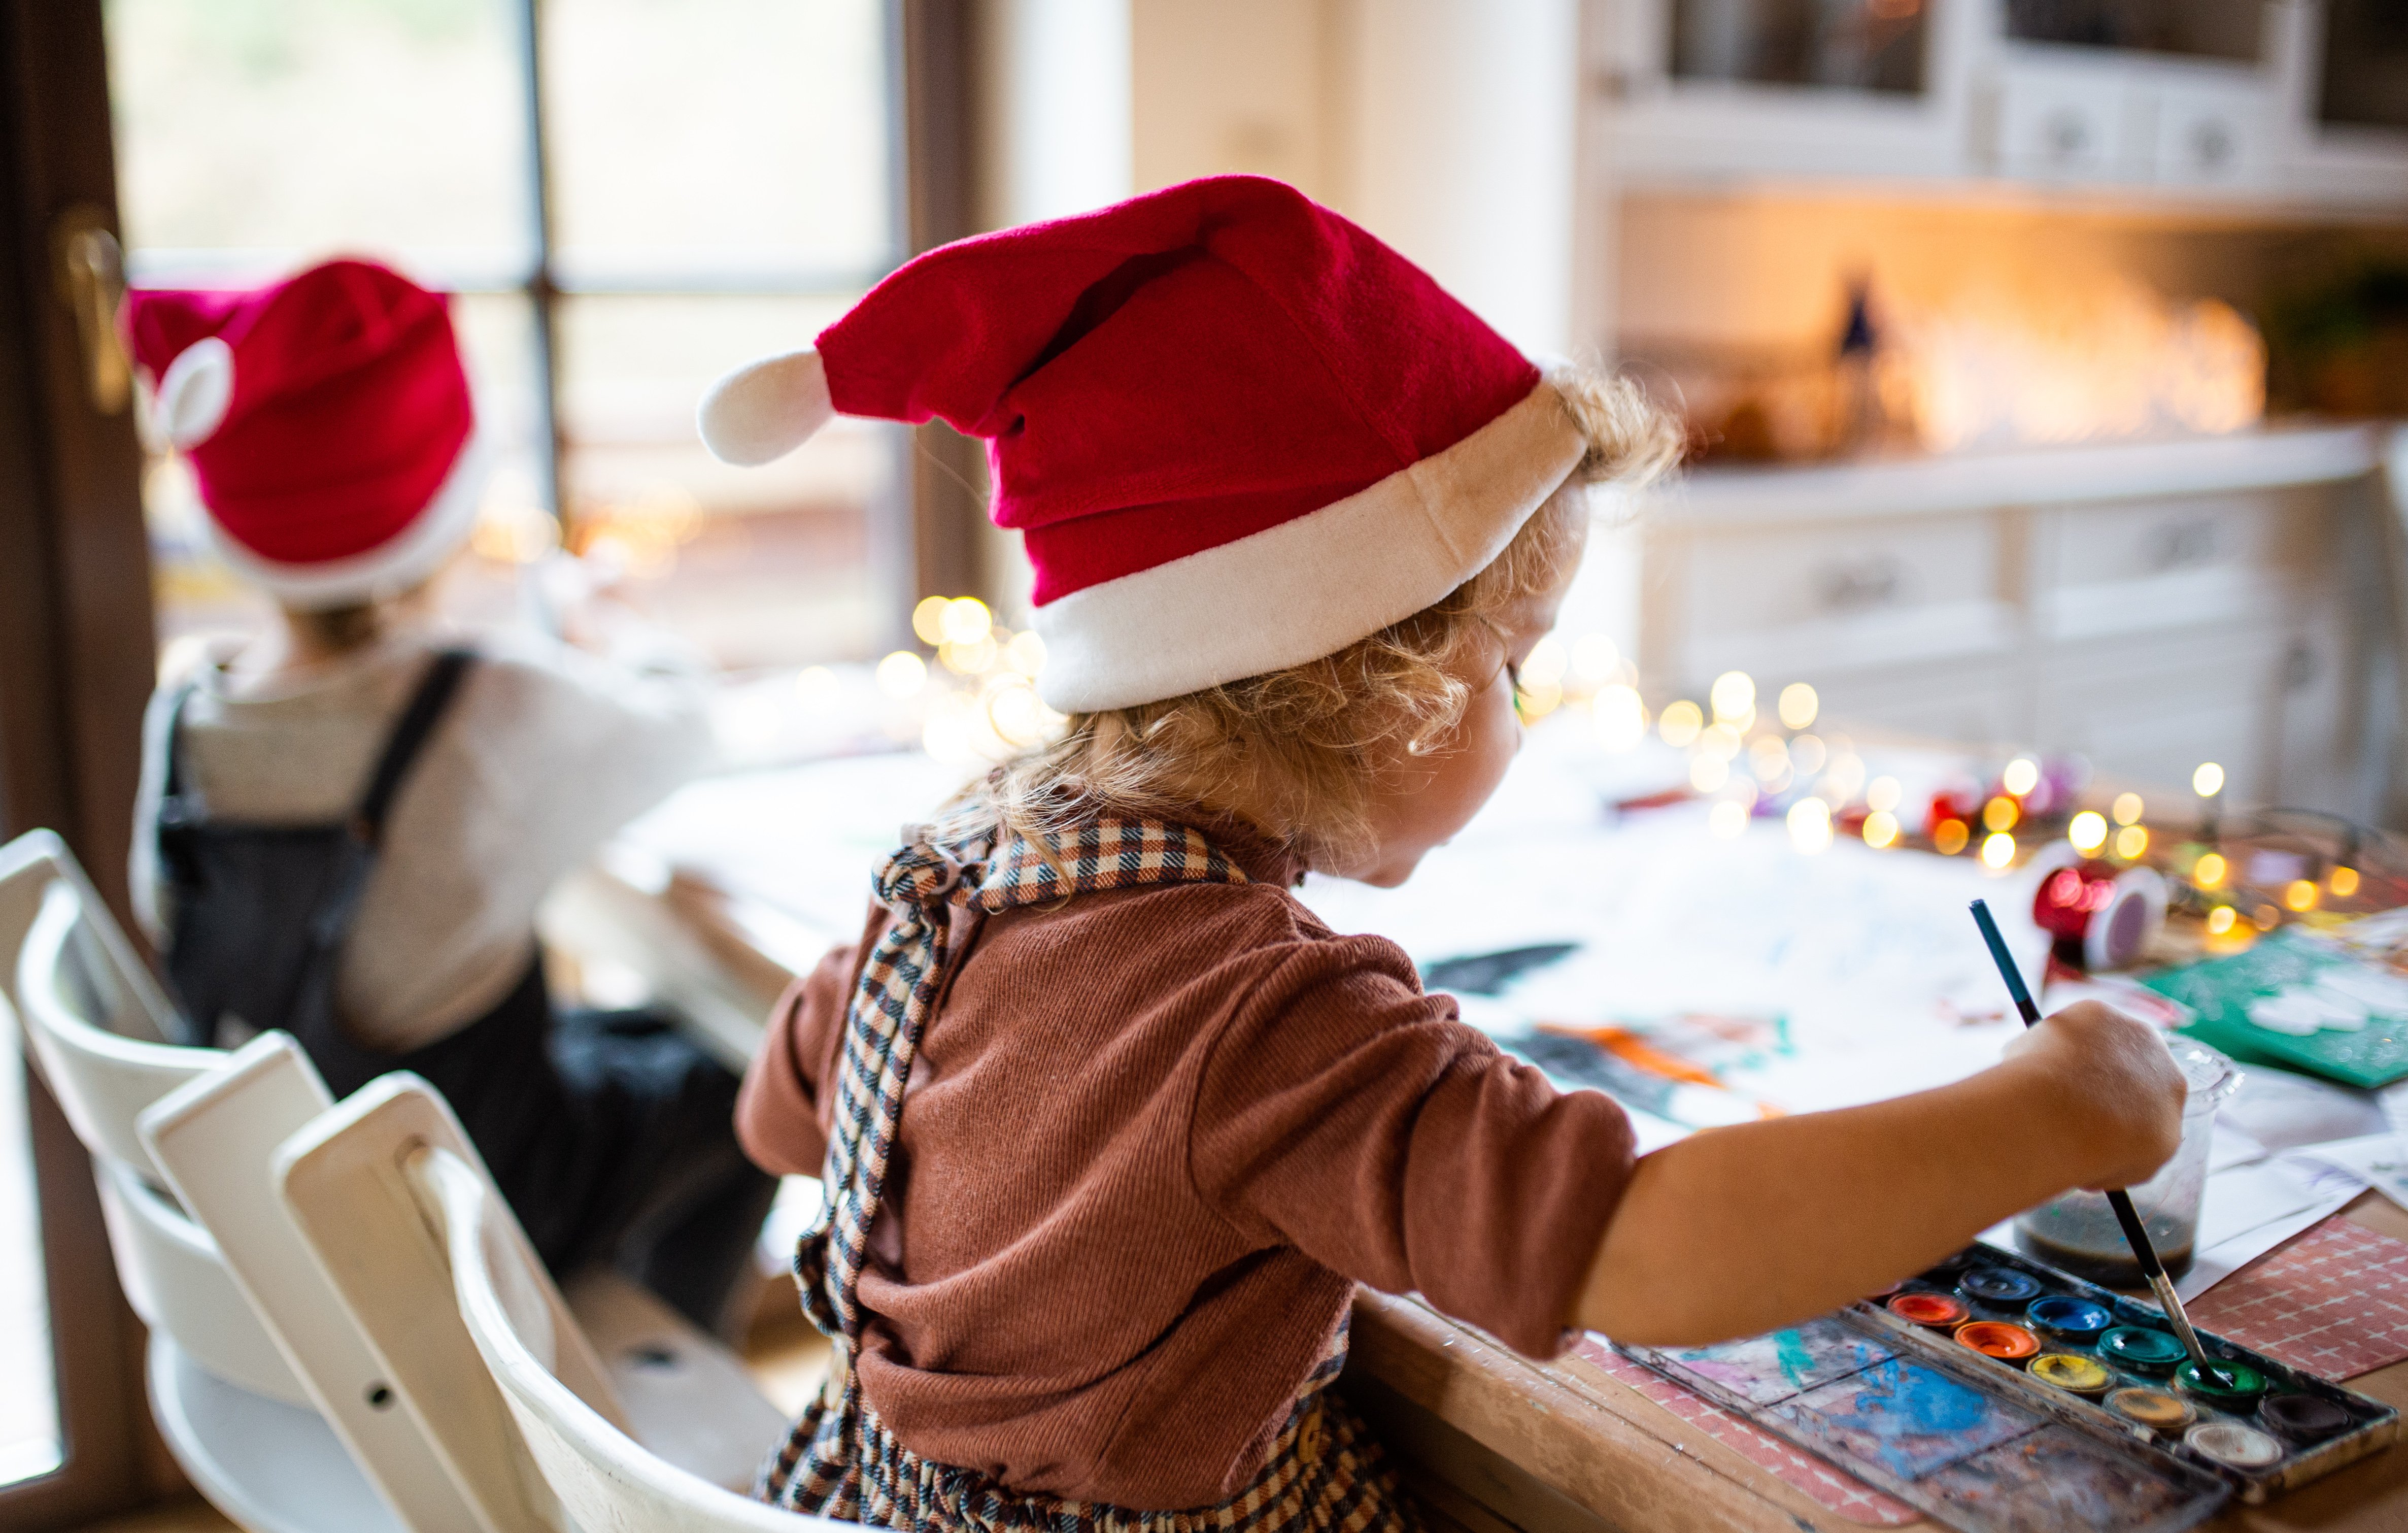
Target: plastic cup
2077, 1232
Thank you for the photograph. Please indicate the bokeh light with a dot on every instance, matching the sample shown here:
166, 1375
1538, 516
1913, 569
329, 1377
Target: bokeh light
1883, 795
2131, 841
2087, 831
966, 621
1680, 723
1621, 717
1547, 662
928, 619
2021, 776
2126, 809
902, 674
1026, 654
2208, 780
1799, 705
1881, 830
1997, 849
1733, 695
2208, 872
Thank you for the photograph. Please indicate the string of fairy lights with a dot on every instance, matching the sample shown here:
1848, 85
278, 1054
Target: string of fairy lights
1749, 767
977, 701
1747, 756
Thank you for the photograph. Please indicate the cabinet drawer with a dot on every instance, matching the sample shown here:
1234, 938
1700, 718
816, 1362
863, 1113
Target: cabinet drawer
1807, 601
1974, 703
2136, 567
2151, 710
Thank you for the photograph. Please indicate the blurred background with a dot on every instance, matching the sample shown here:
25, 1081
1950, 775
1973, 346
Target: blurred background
2011, 334
2038, 356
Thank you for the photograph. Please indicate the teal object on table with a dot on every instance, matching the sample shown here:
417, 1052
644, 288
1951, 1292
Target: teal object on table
2300, 1001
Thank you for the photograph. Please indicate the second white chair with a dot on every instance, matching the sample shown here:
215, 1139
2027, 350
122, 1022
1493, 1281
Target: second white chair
405, 1224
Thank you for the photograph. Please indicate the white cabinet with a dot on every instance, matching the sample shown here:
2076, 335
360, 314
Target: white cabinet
1685, 101
2149, 606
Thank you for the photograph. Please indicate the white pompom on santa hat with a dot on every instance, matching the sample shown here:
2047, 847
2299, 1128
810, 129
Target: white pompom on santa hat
1236, 432
328, 423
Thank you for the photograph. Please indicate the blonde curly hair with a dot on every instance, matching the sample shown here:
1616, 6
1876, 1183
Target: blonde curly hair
1298, 750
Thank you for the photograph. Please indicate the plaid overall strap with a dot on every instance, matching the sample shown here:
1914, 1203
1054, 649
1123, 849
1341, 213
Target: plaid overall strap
939, 867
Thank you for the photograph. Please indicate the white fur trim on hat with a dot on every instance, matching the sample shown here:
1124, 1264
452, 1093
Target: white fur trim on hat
392, 567
765, 409
1315, 584
194, 392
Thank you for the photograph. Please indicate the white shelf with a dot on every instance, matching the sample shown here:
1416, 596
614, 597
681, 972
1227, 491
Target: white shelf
1969, 481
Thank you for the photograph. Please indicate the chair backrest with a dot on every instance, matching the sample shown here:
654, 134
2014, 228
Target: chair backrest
400, 1211
174, 1277
94, 1018
214, 1139
344, 1183
603, 1478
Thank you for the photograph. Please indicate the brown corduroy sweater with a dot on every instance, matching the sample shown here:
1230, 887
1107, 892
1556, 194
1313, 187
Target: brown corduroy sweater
1151, 1139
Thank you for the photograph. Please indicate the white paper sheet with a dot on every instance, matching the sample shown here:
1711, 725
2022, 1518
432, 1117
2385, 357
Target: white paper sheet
2379, 1161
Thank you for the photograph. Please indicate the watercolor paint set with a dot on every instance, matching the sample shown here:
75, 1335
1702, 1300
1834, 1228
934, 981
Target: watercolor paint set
1998, 1395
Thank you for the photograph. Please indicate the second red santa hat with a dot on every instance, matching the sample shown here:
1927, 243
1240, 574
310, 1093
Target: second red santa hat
1237, 432
328, 425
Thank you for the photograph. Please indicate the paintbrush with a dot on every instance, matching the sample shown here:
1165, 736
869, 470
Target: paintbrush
2135, 1233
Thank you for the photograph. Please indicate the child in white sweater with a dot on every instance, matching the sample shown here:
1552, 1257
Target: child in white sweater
344, 826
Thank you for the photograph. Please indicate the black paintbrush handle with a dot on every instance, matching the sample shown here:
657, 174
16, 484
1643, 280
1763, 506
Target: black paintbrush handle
2136, 1235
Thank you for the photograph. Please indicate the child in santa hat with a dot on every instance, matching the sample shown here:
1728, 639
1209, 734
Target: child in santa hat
344, 826
1110, 1124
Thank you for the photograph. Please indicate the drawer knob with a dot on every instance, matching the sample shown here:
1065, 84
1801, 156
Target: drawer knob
2181, 544
1860, 585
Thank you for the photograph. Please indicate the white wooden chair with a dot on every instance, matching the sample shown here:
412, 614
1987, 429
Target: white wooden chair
401, 1217
268, 1395
234, 1410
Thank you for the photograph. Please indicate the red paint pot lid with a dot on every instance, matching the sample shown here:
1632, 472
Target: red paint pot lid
1998, 1338
1928, 1309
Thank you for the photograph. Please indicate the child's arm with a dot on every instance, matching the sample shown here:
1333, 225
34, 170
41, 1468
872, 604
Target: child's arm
1738, 1230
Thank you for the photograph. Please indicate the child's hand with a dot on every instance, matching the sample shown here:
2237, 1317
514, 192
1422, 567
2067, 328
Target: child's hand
2121, 1082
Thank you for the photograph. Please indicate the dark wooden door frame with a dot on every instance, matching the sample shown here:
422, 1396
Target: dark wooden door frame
76, 661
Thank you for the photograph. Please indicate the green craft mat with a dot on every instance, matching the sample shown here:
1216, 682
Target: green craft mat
2221, 991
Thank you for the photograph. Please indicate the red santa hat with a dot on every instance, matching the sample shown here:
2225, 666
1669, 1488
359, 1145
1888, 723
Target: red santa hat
328, 426
1236, 432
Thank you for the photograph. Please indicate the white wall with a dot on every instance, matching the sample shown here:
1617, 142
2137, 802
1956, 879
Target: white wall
1446, 127
1234, 87
1055, 134
1459, 140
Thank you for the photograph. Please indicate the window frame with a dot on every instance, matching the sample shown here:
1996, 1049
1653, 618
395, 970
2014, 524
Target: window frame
77, 662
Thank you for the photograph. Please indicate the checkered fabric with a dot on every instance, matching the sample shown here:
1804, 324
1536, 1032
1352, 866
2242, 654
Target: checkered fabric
1325, 1472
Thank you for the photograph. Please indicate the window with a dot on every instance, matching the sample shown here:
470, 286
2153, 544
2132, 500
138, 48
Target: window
627, 197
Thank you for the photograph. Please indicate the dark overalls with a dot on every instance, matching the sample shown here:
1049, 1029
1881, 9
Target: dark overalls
610, 1134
